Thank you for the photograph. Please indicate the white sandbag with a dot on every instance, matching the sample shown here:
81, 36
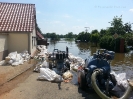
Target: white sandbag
67, 75
3, 62
121, 80
25, 55
21, 61
7, 58
36, 69
121, 85
12, 54
15, 63
10, 62
50, 75
58, 78
45, 64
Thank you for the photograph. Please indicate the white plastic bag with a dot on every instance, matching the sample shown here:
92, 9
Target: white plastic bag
67, 75
121, 85
10, 61
45, 64
50, 75
12, 54
121, 80
21, 61
3, 62
15, 63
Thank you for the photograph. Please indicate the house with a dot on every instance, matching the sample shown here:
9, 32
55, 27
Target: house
18, 30
41, 40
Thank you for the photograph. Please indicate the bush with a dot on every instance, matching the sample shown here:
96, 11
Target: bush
107, 42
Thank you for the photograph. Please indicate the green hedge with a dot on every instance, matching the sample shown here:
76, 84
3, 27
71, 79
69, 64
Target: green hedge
109, 43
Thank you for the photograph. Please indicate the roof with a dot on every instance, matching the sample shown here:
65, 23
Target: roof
39, 35
17, 17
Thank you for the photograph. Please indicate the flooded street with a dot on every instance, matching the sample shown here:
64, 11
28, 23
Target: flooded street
122, 62
27, 86
85, 50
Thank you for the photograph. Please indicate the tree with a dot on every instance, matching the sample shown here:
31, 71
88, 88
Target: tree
95, 38
53, 36
83, 37
117, 25
107, 42
94, 31
127, 27
103, 32
70, 35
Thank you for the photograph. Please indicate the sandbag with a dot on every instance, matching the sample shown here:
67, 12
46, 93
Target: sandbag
50, 75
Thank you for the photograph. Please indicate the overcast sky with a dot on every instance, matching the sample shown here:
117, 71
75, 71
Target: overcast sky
63, 16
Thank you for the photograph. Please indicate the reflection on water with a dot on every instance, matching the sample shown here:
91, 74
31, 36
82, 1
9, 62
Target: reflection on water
85, 50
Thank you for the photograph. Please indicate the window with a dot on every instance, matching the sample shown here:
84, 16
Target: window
33, 41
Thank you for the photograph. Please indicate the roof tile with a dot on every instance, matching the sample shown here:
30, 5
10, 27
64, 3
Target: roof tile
16, 17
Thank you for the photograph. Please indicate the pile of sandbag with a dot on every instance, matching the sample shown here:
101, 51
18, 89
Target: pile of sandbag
51, 75
15, 58
75, 62
42, 50
25, 55
41, 58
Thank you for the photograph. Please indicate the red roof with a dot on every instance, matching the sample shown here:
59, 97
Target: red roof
40, 35
17, 17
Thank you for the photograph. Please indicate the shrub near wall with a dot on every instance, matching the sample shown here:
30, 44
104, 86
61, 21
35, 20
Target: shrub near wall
107, 42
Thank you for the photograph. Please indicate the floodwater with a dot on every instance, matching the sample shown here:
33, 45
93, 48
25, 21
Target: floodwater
85, 50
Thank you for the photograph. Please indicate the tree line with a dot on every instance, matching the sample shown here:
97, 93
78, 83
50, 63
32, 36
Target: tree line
111, 36
54, 36
103, 38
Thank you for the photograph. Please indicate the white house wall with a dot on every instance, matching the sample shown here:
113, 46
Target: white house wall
17, 42
33, 43
3, 46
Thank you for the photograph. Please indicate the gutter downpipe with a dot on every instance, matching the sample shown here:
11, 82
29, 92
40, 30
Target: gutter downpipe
101, 94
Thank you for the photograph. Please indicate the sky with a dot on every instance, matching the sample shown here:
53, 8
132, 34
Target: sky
64, 16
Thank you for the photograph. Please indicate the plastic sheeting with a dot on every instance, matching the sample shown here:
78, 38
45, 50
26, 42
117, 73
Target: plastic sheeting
122, 83
43, 64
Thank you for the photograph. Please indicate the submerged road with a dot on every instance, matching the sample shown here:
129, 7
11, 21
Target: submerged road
26, 86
